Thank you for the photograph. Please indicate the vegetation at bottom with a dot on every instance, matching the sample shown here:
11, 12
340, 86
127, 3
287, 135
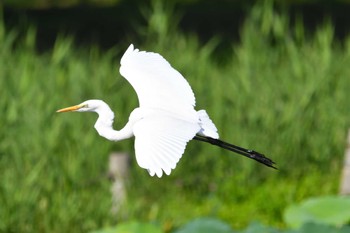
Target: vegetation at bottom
280, 91
328, 214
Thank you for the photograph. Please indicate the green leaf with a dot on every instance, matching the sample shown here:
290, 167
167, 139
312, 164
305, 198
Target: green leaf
322, 228
256, 227
332, 210
205, 225
132, 227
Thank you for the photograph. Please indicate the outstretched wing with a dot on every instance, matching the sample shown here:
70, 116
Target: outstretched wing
157, 84
160, 142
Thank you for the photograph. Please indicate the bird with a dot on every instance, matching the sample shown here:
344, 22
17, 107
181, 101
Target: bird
166, 119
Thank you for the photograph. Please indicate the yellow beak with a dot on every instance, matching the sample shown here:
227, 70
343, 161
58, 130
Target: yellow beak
69, 109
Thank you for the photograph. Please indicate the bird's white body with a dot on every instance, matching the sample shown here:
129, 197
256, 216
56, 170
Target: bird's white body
166, 119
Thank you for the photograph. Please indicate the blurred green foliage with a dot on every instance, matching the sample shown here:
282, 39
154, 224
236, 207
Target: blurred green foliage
40, 4
328, 214
205, 225
279, 91
44, 4
211, 225
331, 210
132, 227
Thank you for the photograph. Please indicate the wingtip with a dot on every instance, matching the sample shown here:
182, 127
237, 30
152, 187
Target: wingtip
158, 173
126, 54
131, 47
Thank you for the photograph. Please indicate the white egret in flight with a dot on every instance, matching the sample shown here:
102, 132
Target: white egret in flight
165, 120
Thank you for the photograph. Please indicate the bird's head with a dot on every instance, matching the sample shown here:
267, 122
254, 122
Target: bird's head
86, 106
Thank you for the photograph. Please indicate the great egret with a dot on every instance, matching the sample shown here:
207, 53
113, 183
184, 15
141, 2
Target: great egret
166, 119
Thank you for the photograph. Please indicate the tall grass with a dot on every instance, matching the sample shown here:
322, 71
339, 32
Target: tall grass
280, 91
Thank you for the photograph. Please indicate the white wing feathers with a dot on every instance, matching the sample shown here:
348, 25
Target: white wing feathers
160, 142
161, 138
156, 83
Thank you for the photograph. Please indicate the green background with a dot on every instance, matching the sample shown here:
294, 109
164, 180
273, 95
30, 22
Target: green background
280, 88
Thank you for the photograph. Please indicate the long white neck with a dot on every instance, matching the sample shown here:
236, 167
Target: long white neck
104, 125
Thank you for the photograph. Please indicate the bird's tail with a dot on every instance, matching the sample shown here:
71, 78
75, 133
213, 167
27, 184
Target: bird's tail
208, 129
242, 151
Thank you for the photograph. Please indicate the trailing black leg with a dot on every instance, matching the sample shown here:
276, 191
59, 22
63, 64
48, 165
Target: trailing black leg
239, 150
